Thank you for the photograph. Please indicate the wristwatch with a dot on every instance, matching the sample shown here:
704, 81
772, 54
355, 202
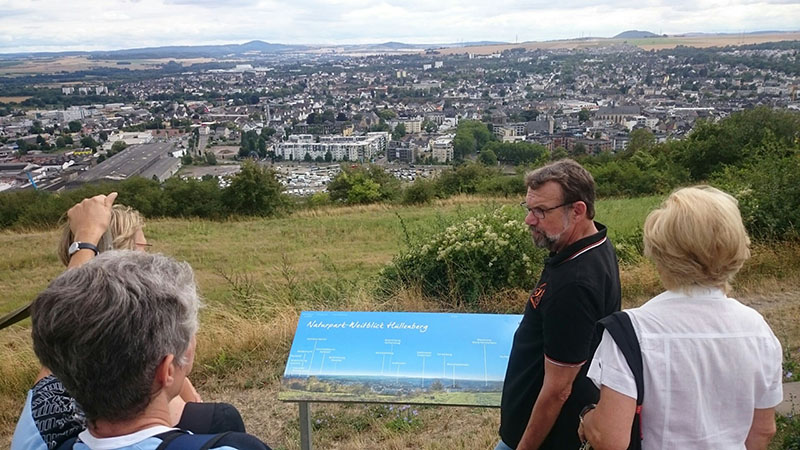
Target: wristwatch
75, 246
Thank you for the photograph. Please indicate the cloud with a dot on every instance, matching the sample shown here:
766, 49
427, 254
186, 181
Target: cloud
47, 24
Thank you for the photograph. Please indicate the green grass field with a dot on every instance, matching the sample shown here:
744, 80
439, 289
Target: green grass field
257, 275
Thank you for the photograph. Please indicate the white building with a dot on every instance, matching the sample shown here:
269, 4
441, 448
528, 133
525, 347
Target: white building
350, 148
130, 138
442, 148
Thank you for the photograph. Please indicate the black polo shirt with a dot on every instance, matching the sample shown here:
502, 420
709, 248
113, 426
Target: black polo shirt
578, 287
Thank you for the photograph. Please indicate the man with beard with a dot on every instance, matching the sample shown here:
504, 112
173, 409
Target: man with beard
546, 385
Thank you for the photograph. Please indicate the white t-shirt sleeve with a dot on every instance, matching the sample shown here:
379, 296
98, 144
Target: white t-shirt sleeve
769, 392
609, 368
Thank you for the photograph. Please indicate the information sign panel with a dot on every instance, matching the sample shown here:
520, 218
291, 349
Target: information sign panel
399, 357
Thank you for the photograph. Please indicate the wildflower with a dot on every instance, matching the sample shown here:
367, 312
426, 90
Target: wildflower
788, 375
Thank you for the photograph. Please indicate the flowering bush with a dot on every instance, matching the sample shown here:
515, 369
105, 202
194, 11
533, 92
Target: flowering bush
469, 260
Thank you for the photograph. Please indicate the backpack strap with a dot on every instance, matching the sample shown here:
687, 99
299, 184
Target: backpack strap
67, 445
171, 440
181, 440
620, 327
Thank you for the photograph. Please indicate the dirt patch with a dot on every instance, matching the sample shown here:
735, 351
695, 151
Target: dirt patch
13, 99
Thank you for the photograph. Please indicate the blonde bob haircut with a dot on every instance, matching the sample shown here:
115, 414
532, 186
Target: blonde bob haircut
697, 238
125, 221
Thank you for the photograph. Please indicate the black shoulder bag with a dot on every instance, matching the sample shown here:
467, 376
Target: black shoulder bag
620, 328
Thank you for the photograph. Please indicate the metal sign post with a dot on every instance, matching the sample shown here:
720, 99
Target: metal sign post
305, 425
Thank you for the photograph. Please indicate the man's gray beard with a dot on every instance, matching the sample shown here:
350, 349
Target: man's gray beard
542, 240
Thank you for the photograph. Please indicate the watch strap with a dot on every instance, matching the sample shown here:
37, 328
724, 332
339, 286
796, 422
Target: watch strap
83, 246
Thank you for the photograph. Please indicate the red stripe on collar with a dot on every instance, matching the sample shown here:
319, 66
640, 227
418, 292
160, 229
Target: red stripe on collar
586, 249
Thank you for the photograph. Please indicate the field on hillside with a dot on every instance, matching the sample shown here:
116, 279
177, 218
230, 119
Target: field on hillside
710, 40
48, 65
257, 275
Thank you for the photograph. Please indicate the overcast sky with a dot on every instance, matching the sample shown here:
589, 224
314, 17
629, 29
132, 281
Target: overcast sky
58, 25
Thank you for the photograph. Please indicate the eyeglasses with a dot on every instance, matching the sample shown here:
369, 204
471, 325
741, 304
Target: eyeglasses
539, 213
138, 244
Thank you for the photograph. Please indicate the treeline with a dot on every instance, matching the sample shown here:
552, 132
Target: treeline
753, 154
254, 191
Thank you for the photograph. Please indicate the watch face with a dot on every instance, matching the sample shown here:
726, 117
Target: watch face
73, 248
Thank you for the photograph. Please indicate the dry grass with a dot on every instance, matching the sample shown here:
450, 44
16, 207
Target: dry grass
257, 275
13, 99
77, 63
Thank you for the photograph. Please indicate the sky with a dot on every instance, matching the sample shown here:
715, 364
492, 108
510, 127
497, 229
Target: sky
58, 25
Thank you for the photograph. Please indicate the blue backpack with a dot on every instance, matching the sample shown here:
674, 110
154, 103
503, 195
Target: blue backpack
172, 440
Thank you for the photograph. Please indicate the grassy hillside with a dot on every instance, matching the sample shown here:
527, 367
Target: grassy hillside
257, 275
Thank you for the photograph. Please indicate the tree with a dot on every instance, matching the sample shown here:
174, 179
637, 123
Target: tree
558, 153
386, 114
487, 158
88, 141
363, 185
328, 156
583, 115
22, 147
118, 146
255, 190
429, 126
61, 142
578, 149
211, 158
399, 132
307, 157
186, 160
463, 145
640, 139
75, 126
380, 126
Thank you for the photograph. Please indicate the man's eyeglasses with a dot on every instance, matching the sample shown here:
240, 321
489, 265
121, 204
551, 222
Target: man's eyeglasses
539, 213
138, 244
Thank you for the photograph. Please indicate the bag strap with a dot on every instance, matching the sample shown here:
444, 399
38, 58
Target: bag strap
68, 444
620, 327
15, 316
171, 440
181, 440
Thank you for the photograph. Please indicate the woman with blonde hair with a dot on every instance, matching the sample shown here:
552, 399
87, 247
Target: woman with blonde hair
125, 232
711, 366
51, 416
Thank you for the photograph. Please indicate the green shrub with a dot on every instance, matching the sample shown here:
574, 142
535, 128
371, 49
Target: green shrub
768, 191
465, 262
629, 247
422, 191
505, 185
363, 184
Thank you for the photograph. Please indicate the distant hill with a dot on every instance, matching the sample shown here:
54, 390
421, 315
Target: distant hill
177, 51
198, 51
635, 34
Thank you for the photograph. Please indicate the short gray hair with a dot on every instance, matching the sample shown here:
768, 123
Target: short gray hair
576, 182
104, 327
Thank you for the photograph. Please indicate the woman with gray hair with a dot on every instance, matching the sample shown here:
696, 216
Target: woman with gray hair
711, 365
126, 360
51, 415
